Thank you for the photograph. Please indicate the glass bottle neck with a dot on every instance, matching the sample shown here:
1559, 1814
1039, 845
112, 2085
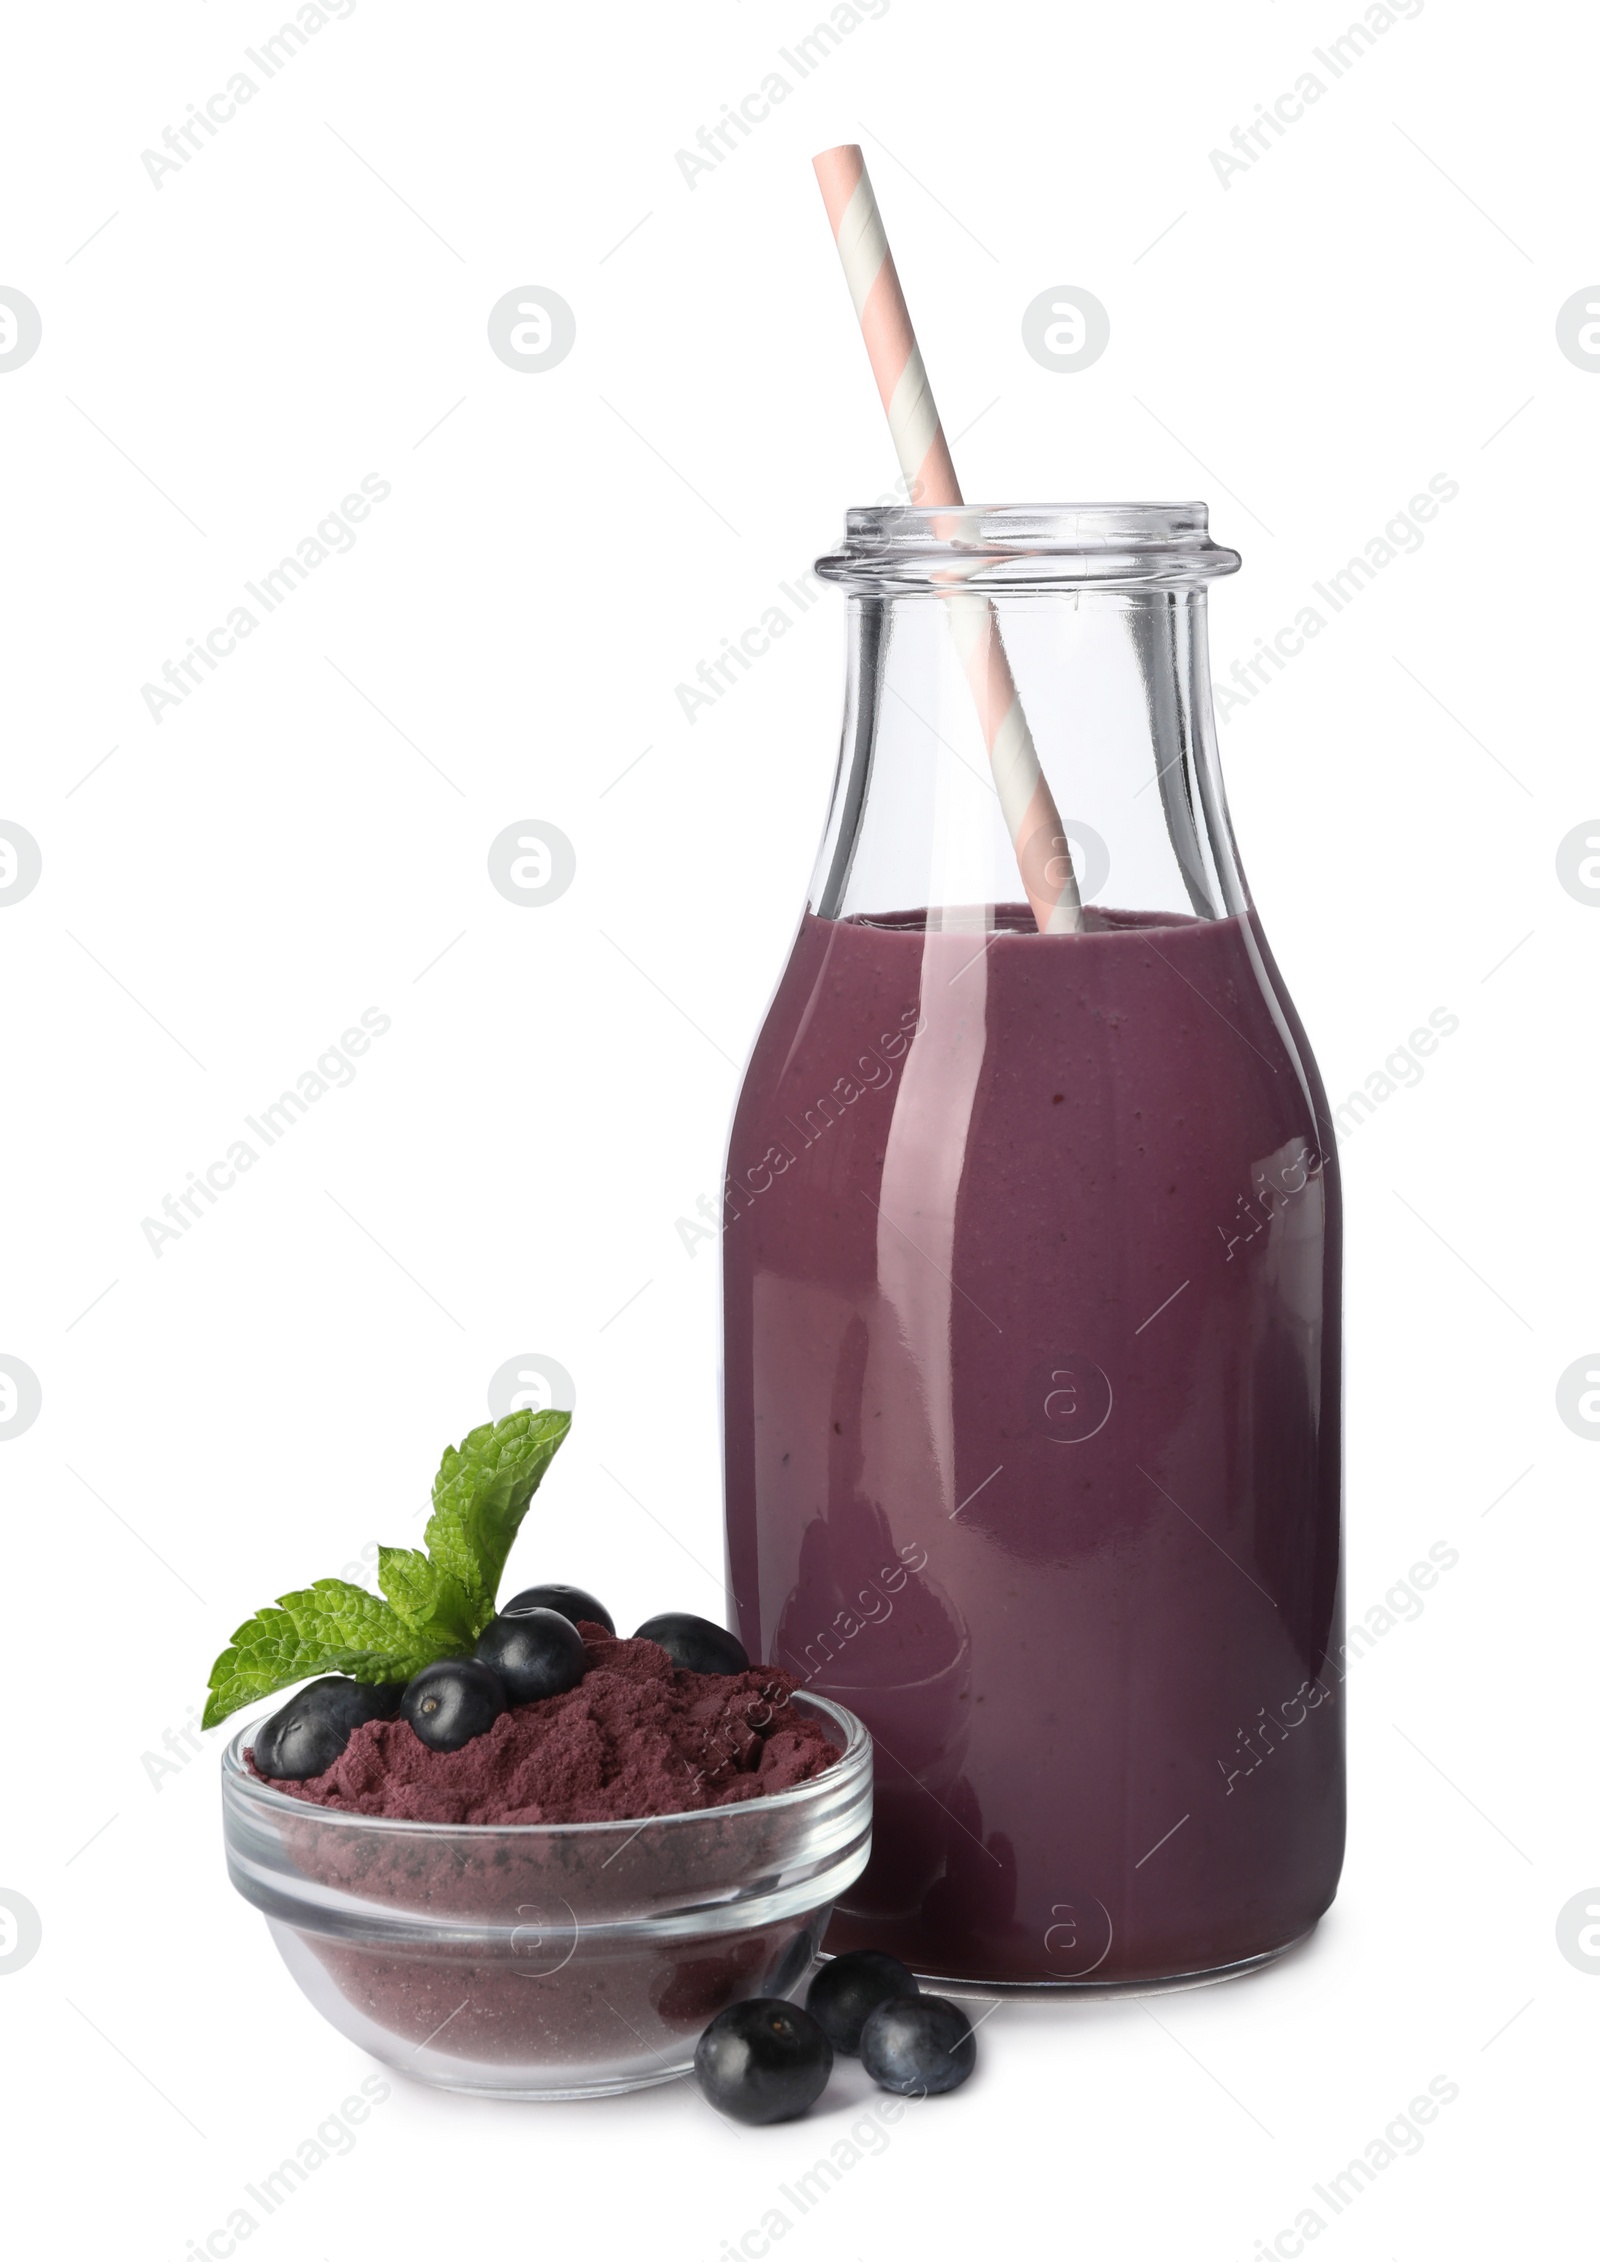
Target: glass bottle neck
1111, 689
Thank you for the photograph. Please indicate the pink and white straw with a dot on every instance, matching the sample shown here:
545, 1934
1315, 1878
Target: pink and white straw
1026, 802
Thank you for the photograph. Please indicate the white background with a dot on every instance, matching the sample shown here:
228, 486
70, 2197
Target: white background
1371, 303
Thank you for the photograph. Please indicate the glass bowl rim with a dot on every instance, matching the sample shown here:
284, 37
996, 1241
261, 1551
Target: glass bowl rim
852, 1761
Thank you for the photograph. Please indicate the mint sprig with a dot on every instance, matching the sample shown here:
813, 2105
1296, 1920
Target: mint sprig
433, 1605
480, 1497
328, 1627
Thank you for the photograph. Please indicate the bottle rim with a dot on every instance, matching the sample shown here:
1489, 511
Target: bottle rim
912, 547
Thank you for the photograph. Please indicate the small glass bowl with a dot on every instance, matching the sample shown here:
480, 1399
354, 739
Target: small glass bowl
548, 1960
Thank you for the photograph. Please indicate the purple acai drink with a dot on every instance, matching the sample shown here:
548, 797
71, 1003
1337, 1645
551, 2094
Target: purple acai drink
1032, 1345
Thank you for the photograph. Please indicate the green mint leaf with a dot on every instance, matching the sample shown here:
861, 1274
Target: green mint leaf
434, 1605
481, 1495
328, 1627
427, 1596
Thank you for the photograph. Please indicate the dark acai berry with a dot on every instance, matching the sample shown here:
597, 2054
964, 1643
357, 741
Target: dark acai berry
537, 1653
572, 1602
847, 1991
765, 2060
694, 1644
449, 1703
312, 1729
918, 2046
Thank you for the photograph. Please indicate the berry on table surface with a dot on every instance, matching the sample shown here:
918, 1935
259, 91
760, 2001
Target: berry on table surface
848, 1990
764, 2060
918, 2046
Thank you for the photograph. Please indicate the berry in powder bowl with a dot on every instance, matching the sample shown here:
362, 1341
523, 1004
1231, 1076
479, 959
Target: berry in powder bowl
505, 1851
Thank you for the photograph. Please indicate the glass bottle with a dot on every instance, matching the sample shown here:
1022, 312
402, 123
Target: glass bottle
1031, 1250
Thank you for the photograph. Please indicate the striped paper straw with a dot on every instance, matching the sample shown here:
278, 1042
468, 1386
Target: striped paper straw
1026, 802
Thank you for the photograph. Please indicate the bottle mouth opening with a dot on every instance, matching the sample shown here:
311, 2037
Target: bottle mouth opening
1027, 545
